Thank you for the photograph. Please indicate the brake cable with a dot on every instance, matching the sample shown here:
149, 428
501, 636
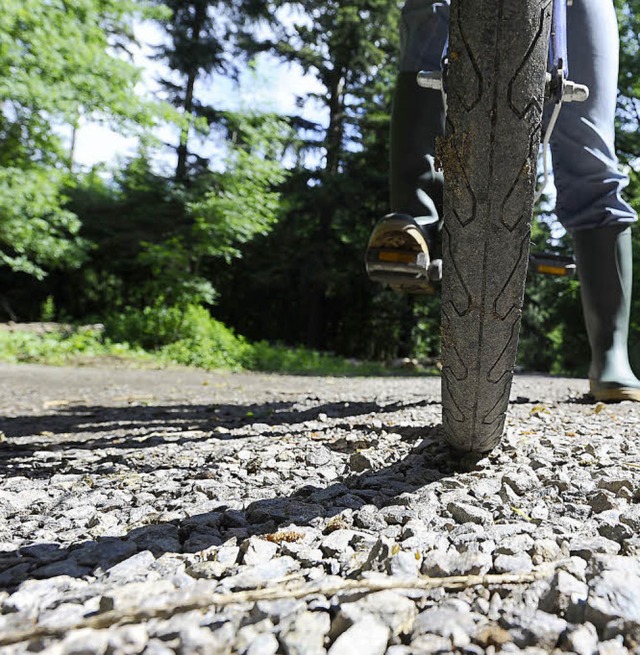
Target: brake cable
545, 150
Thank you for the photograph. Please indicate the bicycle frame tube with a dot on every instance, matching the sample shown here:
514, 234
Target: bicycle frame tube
558, 65
558, 57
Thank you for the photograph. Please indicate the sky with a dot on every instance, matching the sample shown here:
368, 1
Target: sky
269, 86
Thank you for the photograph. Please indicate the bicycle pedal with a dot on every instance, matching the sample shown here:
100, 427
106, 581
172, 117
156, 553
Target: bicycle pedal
400, 261
404, 271
550, 264
409, 284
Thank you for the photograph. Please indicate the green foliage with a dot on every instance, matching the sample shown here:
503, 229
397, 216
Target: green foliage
301, 361
48, 311
628, 141
57, 64
36, 232
553, 337
205, 343
156, 242
219, 213
131, 224
305, 282
244, 202
182, 335
64, 346
634, 331
65, 46
163, 336
148, 328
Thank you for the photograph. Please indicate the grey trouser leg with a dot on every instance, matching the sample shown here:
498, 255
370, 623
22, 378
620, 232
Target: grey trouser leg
588, 179
424, 26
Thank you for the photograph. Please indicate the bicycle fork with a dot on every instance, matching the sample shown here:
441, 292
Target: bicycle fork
558, 90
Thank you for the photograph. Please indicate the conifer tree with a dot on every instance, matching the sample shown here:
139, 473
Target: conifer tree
351, 48
203, 38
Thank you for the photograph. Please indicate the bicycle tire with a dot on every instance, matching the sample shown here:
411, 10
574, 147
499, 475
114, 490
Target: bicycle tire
496, 77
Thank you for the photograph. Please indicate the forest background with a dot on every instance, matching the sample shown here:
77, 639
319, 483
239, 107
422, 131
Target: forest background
178, 252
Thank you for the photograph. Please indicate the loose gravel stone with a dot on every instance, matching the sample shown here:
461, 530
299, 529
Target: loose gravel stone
615, 484
157, 647
259, 575
443, 563
257, 551
602, 501
587, 547
307, 634
134, 595
582, 640
513, 564
614, 591
368, 636
612, 647
364, 460
566, 597
135, 567
631, 516
431, 644
611, 526
468, 513
263, 644
450, 624
104, 553
337, 542
85, 642
517, 545
540, 629
521, 481
392, 609
132, 639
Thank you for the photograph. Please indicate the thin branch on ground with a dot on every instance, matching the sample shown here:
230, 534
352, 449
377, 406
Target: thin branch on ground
279, 592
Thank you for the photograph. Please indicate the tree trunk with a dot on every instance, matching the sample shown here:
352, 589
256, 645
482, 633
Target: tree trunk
316, 332
183, 147
75, 126
199, 19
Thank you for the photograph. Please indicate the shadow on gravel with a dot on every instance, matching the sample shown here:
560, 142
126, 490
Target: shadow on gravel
138, 427
87, 419
427, 462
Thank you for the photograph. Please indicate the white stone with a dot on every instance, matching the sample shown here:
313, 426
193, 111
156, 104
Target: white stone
367, 637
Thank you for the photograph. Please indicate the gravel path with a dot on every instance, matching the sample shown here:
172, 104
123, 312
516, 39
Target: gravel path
187, 512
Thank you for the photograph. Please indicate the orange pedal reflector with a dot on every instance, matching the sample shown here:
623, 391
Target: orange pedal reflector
396, 256
552, 270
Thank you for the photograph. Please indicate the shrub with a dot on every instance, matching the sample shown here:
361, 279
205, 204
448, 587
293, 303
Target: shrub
188, 336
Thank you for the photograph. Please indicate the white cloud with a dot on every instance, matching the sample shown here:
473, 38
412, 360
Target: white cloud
97, 144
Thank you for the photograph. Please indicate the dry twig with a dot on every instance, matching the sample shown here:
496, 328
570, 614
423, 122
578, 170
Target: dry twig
279, 592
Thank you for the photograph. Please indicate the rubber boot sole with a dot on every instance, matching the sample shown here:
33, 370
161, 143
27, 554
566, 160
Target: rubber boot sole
613, 394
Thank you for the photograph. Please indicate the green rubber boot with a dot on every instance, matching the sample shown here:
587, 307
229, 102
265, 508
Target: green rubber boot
402, 247
416, 122
605, 266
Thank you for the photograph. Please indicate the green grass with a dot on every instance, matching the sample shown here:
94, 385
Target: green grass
65, 346
164, 337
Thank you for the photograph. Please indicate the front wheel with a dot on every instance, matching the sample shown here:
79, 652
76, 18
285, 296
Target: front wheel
496, 77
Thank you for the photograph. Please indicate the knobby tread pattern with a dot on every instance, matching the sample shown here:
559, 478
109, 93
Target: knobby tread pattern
497, 65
